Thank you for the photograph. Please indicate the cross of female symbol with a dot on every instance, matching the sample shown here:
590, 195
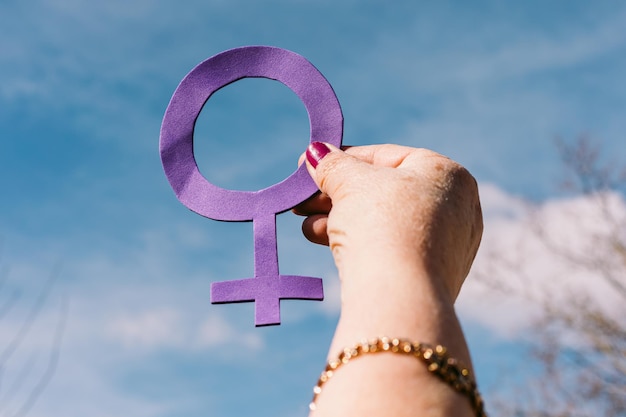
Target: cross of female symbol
267, 287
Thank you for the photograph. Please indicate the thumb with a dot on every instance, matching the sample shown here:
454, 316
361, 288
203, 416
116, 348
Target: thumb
332, 169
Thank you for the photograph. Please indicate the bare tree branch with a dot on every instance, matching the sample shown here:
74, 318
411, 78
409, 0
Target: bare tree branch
52, 363
25, 369
580, 347
13, 345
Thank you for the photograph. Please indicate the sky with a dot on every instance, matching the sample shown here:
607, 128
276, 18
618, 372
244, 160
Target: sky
89, 220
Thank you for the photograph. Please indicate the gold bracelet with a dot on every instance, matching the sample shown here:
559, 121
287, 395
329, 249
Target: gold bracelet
436, 359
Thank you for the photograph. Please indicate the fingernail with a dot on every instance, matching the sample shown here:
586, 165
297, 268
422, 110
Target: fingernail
315, 152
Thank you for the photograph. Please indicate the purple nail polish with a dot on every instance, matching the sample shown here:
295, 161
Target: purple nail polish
315, 152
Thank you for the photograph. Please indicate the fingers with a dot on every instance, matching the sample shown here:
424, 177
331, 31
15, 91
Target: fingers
333, 169
387, 155
417, 160
318, 204
314, 229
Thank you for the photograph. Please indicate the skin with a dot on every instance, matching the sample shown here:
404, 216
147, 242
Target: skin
403, 225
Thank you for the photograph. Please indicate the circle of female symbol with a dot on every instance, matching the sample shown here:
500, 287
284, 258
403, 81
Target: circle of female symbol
267, 287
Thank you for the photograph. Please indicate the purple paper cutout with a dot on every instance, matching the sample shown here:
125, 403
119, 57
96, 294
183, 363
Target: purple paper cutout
267, 287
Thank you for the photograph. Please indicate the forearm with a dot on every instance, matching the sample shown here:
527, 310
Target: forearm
397, 301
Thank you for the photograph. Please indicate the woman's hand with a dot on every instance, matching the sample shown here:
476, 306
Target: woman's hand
389, 204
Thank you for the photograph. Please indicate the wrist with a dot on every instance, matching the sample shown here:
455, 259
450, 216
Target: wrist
405, 267
390, 282
401, 300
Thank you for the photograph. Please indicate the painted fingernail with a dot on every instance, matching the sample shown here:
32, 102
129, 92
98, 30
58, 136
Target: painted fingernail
315, 152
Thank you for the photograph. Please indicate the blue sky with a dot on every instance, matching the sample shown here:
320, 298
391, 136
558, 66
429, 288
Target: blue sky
83, 88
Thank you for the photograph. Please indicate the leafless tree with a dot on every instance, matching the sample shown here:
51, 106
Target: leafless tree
20, 391
579, 345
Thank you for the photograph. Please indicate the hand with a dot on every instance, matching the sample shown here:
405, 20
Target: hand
403, 225
389, 205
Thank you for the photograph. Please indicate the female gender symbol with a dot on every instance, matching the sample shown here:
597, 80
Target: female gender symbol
267, 287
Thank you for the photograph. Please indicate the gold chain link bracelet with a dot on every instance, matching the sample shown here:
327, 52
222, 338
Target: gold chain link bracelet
436, 359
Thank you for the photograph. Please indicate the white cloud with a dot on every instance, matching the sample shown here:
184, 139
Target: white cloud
552, 253
498, 204
153, 328
127, 307
216, 331
167, 328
